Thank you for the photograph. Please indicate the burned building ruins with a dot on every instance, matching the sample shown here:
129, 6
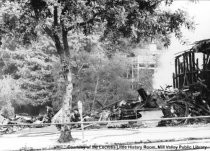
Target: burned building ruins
192, 81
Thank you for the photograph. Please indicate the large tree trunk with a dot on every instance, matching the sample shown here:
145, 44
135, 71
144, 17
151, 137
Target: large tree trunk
61, 44
65, 135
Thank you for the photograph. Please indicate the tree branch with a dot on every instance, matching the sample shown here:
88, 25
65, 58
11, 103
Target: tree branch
48, 32
55, 16
85, 22
55, 38
58, 44
65, 39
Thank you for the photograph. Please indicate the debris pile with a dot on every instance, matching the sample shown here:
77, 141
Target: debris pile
128, 109
16, 120
189, 102
17, 123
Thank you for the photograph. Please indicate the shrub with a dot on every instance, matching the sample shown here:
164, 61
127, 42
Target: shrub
7, 111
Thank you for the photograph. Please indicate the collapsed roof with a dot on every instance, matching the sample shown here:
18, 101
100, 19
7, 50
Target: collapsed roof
202, 46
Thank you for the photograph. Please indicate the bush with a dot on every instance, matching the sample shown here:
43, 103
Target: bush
8, 111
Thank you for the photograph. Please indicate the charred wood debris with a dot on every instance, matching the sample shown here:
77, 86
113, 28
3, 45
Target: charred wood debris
190, 96
17, 122
191, 81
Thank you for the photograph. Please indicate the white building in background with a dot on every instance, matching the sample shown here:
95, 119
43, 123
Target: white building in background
143, 65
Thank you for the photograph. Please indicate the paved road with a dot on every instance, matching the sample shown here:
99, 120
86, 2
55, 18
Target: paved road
152, 137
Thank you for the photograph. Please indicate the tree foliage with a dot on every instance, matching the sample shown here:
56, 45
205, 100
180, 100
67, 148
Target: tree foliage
98, 79
9, 93
136, 20
10, 90
103, 81
33, 69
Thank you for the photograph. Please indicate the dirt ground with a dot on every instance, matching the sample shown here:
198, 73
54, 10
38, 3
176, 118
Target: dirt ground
192, 137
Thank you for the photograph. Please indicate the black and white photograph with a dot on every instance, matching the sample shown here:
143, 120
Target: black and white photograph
105, 75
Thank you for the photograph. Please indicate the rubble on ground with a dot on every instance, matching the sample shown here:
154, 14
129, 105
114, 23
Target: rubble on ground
18, 122
119, 110
188, 102
129, 109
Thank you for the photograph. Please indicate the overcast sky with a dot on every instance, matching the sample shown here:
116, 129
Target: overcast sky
201, 13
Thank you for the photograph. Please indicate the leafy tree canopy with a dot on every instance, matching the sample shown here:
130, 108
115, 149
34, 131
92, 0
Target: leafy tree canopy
113, 20
33, 69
